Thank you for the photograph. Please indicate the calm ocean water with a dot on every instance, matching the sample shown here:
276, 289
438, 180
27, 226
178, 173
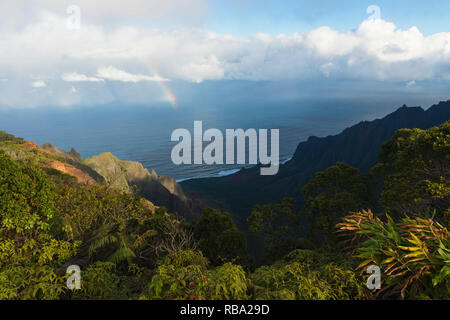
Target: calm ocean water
142, 133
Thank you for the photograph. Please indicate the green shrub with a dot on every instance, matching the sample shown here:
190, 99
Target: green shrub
26, 204
181, 275
30, 282
229, 282
101, 281
306, 275
184, 275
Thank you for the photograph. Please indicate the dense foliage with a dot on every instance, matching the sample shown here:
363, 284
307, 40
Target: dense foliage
337, 190
30, 251
279, 225
220, 240
413, 253
129, 249
411, 182
415, 166
307, 275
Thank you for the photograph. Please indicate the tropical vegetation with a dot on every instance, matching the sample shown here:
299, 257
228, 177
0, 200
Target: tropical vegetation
395, 217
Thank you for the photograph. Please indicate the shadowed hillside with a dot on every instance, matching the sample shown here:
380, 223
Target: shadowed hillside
163, 191
357, 146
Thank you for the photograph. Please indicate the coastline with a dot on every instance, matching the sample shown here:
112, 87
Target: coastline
225, 173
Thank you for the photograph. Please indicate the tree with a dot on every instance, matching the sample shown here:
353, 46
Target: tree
219, 238
331, 195
415, 167
279, 226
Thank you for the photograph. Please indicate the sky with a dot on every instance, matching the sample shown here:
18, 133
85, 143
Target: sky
246, 17
86, 53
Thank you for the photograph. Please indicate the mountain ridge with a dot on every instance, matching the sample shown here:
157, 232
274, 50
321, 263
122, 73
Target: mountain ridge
123, 174
357, 145
104, 168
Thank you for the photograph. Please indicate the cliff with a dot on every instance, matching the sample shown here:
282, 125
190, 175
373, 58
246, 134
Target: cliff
357, 146
163, 191
104, 168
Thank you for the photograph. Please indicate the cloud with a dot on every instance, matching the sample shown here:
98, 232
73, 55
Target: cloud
19, 12
374, 51
114, 74
77, 77
38, 84
410, 83
110, 73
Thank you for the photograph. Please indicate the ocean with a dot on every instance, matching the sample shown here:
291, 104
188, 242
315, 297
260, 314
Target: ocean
142, 133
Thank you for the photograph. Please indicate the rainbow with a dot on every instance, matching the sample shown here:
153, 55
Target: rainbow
169, 94
165, 88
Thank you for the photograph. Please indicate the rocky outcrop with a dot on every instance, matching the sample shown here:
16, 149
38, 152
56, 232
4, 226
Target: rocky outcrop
173, 186
67, 162
162, 191
72, 155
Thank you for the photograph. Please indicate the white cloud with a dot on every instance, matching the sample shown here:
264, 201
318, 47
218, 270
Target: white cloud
410, 83
19, 12
38, 84
114, 74
77, 77
375, 50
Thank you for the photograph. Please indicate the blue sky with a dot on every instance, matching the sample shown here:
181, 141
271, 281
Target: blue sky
246, 17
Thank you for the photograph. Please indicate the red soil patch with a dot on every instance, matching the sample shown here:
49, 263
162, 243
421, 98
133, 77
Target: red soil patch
81, 176
31, 145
